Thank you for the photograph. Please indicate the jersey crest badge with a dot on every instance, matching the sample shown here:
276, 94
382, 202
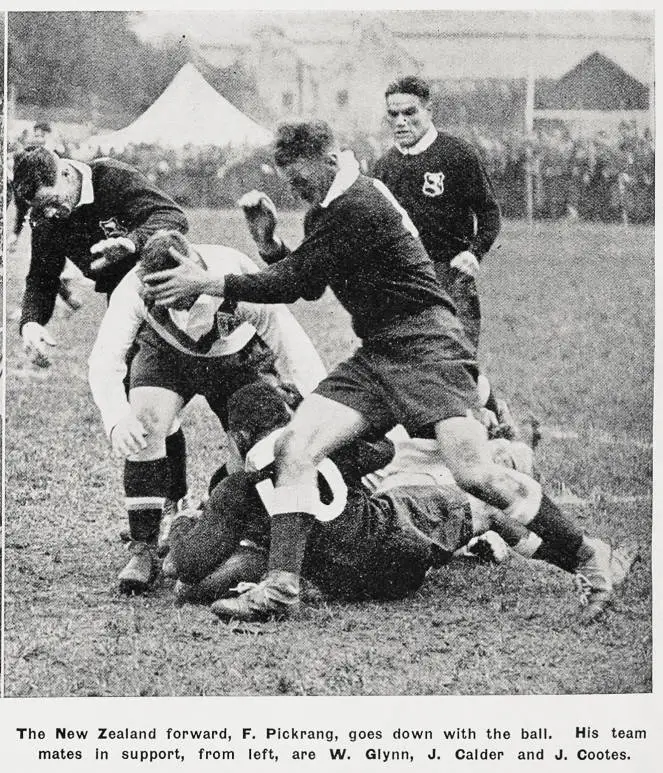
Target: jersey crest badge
433, 184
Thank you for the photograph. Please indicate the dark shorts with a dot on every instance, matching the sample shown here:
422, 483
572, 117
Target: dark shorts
382, 546
157, 364
419, 372
462, 288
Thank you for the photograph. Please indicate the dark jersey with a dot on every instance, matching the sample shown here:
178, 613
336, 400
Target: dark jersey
363, 247
377, 546
443, 189
125, 204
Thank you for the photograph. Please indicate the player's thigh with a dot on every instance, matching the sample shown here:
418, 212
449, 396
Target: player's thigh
463, 444
156, 407
319, 426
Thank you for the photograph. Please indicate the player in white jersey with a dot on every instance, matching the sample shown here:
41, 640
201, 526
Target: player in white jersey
195, 347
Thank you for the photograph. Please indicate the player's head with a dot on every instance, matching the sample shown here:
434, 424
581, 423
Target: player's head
408, 110
307, 154
254, 411
156, 256
41, 132
48, 183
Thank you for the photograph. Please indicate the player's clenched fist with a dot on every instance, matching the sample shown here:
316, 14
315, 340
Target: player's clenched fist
260, 214
109, 251
128, 436
37, 342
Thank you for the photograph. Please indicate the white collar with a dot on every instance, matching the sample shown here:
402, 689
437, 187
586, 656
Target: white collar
87, 191
422, 144
348, 172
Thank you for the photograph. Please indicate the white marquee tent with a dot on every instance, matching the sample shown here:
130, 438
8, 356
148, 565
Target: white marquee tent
188, 112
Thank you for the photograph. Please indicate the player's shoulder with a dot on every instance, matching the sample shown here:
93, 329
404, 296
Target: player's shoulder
115, 176
107, 164
449, 143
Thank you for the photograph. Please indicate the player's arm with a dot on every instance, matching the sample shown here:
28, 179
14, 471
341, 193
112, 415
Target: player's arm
297, 361
108, 359
149, 209
41, 289
303, 274
43, 279
146, 208
482, 200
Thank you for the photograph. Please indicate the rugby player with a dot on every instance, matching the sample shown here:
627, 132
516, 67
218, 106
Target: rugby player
442, 184
99, 216
376, 537
194, 347
415, 366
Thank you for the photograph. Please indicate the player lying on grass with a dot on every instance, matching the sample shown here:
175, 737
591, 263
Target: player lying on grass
378, 531
415, 365
193, 347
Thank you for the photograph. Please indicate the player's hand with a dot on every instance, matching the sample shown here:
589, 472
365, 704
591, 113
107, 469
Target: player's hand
110, 251
260, 214
187, 280
467, 263
37, 343
128, 436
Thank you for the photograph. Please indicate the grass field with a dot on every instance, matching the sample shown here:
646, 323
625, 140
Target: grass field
568, 337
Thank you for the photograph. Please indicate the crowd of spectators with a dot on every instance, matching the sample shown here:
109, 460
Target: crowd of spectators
605, 176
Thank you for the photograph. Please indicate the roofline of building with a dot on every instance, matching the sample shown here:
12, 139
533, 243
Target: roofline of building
521, 36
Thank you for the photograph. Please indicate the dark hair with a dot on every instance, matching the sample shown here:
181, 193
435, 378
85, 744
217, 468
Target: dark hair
155, 256
410, 84
257, 409
42, 126
306, 139
33, 167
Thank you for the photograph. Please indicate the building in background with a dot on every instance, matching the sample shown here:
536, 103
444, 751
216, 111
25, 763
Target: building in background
335, 66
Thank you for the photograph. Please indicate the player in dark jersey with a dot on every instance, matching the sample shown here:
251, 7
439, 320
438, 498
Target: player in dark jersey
415, 365
99, 216
442, 184
378, 532
194, 348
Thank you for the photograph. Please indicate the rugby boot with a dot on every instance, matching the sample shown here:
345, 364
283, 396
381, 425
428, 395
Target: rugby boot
276, 597
594, 578
142, 569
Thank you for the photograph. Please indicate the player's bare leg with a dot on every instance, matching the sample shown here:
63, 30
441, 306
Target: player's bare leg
319, 426
464, 448
146, 483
